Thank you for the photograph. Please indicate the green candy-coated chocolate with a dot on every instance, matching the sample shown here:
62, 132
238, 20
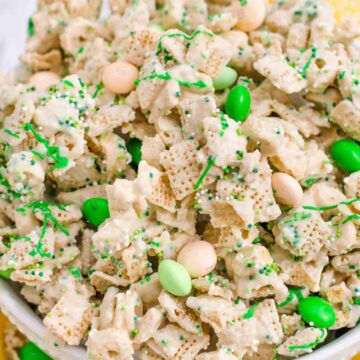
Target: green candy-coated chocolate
96, 211
225, 78
5, 274
134, 148
174, 278
31, 352
238, 103
317, 311
346, 154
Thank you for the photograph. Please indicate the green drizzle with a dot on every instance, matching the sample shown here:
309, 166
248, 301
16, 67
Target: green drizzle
99, 87
250, 313
166, 76
290, 298
351, 217
331, 207
210, 163
297, 217
310, 345
76, 272
4, 182
51, 151
44, 208
11, 133
186, 37
308, 63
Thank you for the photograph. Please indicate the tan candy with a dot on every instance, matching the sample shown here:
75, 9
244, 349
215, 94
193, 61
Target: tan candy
198, 257
44, 79
250, 16
287, 190
119, 77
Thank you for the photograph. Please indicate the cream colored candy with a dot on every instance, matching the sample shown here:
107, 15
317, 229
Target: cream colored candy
119, 77
250, 15
286, 189
198, 257
44, 79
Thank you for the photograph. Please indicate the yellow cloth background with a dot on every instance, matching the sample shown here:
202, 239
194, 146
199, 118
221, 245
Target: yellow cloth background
342, 7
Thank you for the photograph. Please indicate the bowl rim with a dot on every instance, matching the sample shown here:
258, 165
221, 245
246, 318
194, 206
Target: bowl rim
14, 306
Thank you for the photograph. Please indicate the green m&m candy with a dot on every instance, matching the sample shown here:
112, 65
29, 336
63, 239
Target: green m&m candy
225, 78
31, 352
346, 154
238, 103
5, 274
134, 148
174, 278
317, 311
95, 211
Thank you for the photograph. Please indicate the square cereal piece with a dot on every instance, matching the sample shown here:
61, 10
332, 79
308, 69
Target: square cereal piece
172, 342
162, 195
182, 167
70, 317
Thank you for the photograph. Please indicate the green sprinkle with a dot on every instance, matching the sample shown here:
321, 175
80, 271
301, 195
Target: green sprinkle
210, 163
331, 207
290, 298
250, 313
99, 87
31, 27
76, 272
310, 345
51, 151
11, 133
166, 76
44, 208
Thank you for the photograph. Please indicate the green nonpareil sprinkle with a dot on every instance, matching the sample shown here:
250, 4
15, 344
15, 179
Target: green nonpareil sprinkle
167, 76
76, 272
51, 151
243, 2
330, 207
210, 163
224, 123
99, 87
310, 345
31, 27
11, 133
44, 208
250, 313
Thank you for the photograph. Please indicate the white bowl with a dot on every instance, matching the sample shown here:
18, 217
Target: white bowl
19, 312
